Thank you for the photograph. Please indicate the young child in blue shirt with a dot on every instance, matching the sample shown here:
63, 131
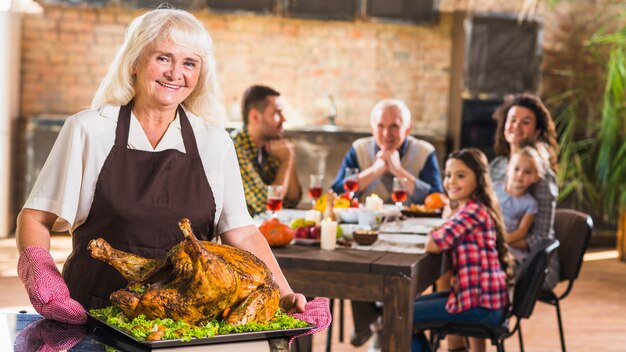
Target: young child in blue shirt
525, 168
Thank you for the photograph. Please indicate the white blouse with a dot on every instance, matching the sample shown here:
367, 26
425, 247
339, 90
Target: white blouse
67, 182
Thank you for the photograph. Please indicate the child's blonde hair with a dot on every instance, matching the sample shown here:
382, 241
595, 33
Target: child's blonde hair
533, 154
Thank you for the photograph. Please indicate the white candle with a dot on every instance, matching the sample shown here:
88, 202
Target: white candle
328, 236
313, 215
374, 202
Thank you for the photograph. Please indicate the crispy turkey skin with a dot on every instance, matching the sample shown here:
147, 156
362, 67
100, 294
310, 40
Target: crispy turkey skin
196, 281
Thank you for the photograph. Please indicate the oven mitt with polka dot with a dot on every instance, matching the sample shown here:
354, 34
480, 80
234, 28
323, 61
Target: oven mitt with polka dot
46, 288
315, 312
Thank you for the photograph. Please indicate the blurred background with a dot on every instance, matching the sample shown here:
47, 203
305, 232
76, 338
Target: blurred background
452, 61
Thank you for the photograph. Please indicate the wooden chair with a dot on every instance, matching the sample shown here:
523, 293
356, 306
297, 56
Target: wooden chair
526, 292
573, 230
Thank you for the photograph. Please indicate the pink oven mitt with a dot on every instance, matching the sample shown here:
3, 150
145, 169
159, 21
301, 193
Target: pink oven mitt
315, 312
46, 289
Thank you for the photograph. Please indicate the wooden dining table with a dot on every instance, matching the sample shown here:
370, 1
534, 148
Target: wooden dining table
395, 279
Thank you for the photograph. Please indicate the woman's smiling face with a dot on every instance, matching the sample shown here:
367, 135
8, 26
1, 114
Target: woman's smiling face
166, 74
520, 125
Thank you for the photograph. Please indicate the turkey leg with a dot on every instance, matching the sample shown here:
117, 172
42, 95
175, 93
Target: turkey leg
132, 267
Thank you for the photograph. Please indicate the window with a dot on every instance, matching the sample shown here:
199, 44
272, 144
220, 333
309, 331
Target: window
324, 9
418, 11
502, 56
259, 6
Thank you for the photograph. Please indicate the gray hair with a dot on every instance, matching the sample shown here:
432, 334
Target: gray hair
386, 103
182, 28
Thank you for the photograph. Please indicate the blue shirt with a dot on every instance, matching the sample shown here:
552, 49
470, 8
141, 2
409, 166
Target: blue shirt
513, 210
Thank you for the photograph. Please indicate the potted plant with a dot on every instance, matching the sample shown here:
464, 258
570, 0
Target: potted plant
610, 162
591, 121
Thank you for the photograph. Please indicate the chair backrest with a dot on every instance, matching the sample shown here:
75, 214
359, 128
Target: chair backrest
573, 230
530, 277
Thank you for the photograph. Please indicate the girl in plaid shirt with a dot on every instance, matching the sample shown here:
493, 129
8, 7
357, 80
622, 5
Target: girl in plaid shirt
481, 264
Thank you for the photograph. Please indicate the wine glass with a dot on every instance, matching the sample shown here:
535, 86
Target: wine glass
315, 187
398, 191
274, 199
351, 181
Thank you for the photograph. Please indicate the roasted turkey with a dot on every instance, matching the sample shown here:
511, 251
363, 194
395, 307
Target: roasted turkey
196, 281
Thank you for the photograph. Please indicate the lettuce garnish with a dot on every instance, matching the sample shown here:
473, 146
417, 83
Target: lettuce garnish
140, 327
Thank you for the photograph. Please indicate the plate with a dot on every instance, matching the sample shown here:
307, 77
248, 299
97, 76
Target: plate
307, 241
403, 239
421, 214
106, 329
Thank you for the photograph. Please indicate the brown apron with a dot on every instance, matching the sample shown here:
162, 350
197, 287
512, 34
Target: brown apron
140, 196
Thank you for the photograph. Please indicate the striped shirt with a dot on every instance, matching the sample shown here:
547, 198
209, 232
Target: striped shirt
477, 276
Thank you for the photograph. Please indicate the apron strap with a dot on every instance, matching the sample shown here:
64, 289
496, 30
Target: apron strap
123, 125
191, 147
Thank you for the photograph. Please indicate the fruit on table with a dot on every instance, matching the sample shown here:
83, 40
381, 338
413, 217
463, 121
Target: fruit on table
301, 232
342, 202
315, 232
299, 222
339, 231
435, 200
309, 230
276, 233
320, 204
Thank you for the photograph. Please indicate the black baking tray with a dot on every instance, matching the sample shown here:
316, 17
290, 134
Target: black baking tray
121, 339
421, 214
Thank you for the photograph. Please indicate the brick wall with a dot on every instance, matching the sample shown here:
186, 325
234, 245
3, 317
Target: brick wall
66, 51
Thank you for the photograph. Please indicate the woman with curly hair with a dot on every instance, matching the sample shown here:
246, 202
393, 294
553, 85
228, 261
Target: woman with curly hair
524, 120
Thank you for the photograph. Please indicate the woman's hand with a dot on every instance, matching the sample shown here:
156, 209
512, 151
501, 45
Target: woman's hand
46, 289
292, 300
316, 312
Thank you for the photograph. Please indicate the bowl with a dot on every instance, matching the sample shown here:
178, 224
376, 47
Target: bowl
347, 215
365, 237
348, 229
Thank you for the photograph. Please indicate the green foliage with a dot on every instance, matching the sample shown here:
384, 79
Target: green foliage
575, 160
611, 155
593, 166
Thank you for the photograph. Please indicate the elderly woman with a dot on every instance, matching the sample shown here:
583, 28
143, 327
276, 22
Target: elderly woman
522, 120
148, 153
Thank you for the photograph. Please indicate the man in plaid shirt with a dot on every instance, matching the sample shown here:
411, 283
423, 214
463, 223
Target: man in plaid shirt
265, 157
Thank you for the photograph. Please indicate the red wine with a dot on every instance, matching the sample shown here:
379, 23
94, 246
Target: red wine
398, 196
351, 185
315, 192
274, 204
